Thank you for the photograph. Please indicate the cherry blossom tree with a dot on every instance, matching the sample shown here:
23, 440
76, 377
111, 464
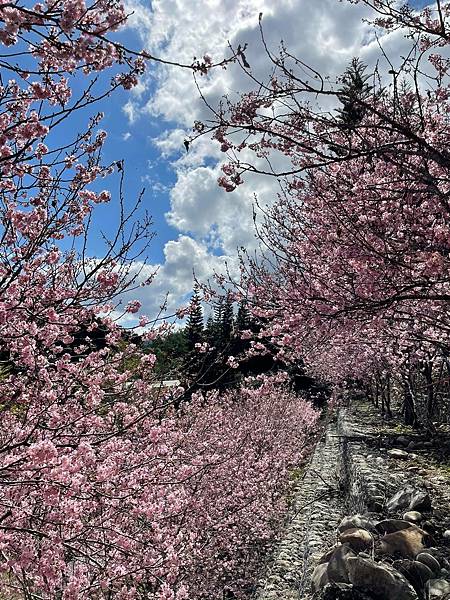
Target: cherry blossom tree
110, 486
355, 277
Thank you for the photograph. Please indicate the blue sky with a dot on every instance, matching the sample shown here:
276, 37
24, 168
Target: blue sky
144, 167
198, 225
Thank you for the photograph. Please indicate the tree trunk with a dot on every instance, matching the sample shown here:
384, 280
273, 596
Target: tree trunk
388, 396
410, 417
428, 371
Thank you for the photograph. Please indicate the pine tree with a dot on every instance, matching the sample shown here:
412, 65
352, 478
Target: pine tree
243, 318
227, 321
210, 330
218, 310
354, 90
215, 324
194, 327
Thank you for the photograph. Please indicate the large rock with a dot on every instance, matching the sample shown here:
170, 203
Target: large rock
381, 580
415, 572
337, 570
400, 500
403, 440
357, 539
319, 578
344, 591
413, 516
391, 525
409, 498
428, 559
406, 543
328, 554
356, 521
430, 527
438, 588
420, 500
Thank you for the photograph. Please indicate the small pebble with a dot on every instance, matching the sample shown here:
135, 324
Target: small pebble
397, 453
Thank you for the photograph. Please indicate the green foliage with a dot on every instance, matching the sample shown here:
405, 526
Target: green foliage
178, 358
170, 352
211, 332
208, 369
354, 90
5, 370
194, 327
243, 317
227, 321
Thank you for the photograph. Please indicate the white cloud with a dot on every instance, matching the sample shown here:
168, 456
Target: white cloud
170, 143
174, 279
132, 111
193, 201
323, 33
199, 205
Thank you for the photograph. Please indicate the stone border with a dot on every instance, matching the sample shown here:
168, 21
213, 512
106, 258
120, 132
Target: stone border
312, 521
348, 473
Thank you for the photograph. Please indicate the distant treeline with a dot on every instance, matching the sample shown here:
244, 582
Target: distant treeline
214, 353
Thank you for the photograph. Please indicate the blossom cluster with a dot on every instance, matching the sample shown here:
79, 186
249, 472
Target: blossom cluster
355, 280
110, 487
109, 494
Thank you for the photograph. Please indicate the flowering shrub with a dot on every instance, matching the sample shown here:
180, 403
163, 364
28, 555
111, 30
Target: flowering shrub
238, 451
105, 496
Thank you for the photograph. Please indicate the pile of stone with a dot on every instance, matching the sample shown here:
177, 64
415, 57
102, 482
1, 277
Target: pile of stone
395, 558
415, 442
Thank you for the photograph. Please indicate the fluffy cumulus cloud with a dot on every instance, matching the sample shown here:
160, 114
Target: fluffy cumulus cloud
174, 278
323, 33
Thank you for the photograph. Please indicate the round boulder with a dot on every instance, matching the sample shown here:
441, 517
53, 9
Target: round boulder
358, 539
392, 525
428, 559
337, 567
382, 580
413, 516
406, 543
438, 588
415, 572
356, 521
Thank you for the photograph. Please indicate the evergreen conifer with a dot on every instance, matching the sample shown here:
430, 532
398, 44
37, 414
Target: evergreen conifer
227, 321
354, 90
194, 326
